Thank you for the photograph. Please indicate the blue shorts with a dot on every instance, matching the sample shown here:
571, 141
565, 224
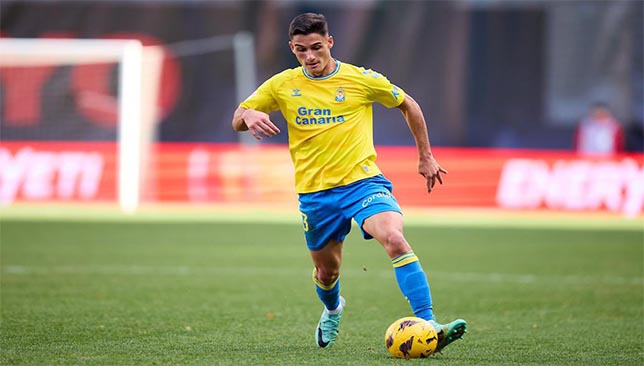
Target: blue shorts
326, 215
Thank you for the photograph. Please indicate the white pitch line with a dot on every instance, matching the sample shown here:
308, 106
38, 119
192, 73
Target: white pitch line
478, 277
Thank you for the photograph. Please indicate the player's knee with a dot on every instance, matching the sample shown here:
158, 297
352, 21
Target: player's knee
328, 276
395, 244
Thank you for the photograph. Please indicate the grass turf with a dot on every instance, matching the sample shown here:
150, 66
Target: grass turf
124, 293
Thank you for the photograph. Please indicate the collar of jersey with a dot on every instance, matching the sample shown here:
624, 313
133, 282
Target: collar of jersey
335, 71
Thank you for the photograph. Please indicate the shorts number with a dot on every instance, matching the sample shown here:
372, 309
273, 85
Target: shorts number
304, 222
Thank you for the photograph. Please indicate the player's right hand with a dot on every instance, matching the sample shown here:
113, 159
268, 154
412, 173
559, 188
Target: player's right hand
259, 124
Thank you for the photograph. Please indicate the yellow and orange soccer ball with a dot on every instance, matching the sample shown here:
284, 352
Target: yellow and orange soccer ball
411, 337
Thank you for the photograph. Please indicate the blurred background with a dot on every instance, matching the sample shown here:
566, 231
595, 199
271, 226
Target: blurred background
137, 228
489, 74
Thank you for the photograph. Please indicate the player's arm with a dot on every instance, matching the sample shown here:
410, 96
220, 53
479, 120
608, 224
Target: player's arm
427, 165
257, 122
252, 113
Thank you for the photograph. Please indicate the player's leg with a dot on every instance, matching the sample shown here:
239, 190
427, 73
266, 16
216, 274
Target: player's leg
326, 273
387, 228
371, 203
326, 276
325, 229
378, 214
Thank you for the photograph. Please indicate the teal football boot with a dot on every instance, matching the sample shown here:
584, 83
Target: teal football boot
328, 327
448, 333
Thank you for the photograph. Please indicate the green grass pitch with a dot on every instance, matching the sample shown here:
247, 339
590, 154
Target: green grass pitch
114, 292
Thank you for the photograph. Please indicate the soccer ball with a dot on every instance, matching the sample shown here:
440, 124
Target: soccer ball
411, 337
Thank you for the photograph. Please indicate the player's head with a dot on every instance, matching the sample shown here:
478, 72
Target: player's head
311, 43
600, 110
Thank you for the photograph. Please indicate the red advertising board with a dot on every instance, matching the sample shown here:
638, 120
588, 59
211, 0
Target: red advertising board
231, 173
52, 171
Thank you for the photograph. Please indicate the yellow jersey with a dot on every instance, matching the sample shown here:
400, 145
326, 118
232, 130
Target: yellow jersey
330, 121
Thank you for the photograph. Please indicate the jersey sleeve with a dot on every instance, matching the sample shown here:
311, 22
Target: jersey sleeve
383, 91
262, 98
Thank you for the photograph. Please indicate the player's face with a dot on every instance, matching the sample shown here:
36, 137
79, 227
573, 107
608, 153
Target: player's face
600, 113
313, 52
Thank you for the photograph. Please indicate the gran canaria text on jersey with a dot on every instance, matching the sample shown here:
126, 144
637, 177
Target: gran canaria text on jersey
316, 116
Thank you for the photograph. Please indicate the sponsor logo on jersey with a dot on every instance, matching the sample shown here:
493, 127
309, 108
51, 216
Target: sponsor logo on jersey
316, 116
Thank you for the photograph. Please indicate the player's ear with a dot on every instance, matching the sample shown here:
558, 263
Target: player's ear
291, 46
330, 41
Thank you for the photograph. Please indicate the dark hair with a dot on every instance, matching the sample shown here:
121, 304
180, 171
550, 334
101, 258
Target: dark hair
599, 104
308, 23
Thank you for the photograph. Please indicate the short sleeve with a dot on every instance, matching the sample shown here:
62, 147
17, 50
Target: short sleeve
262, 98
383, 91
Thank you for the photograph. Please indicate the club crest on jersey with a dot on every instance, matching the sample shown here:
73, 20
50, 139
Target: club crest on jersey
296, 93
339, 95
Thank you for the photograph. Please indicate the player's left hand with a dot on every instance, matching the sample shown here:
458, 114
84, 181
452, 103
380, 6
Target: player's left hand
431, 171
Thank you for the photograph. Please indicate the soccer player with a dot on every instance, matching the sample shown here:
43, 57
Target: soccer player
328, 108
599, 133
